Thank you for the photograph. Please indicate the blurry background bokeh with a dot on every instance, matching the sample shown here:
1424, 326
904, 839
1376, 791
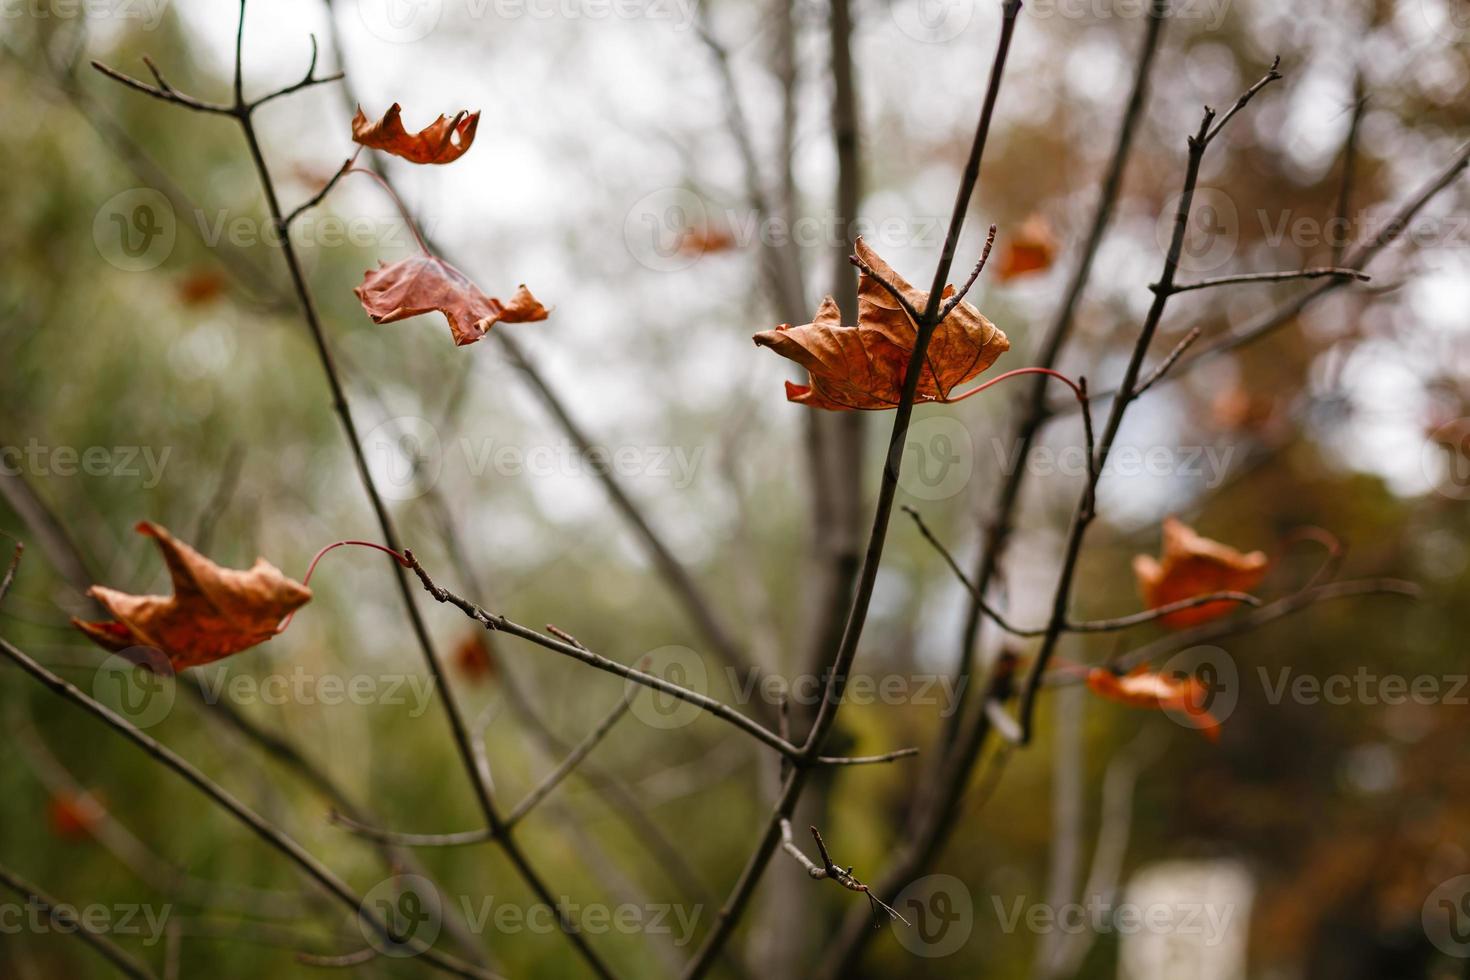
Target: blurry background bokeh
605, 130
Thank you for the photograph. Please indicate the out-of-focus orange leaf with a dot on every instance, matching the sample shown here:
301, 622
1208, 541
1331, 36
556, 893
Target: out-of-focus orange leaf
442, 141
1142, 688
1031, 249
863, 367
423, 283
213, 613
1236, 409
1193, 565
200, 286
473, 658
706, 240
73, 816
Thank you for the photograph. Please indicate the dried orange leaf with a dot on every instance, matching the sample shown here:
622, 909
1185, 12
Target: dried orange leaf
423, 283
863, 367
473, 659
1032, 249
1188, 697
213, 613
1192, 565
73, 816
442, 141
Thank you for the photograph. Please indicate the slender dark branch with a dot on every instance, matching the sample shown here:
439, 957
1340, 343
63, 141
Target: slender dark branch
959, 296
257, 824
867, 760
795, 780
893, 290
320, 195
164, 92
1153, 376
66, 920
241, 110
1287, 312
788, 844
1271, 75
307, 80
10, 569
1250, 277
403, 839
1218, 629
1086, 510
338, 962
573, 759
1349, 167
1000, 516
1149, 615
964, 579
63, 554
492, 621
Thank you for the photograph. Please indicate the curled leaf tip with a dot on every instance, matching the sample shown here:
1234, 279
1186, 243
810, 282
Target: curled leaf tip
862, 367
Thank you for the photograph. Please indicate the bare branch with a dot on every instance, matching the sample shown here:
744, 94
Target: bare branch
1086, 510
164, 92
1271, 75
959, 296
66, 920
262, 828
795, 780
14, 564
1086, 626
1253, 277
320, 195
491, 621
1153, 376
1000, 516
307, 80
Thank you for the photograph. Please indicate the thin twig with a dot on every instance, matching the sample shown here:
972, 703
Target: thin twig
257, 824
66, 920
1027, 427
959, 296
1086, 510
309, 79
336, 962
1253, 277
795, 781
1218, 629
1349, 167
573, 759
492, 621
319, 196
11, 568
1153, 376
242, 111
1086, 626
